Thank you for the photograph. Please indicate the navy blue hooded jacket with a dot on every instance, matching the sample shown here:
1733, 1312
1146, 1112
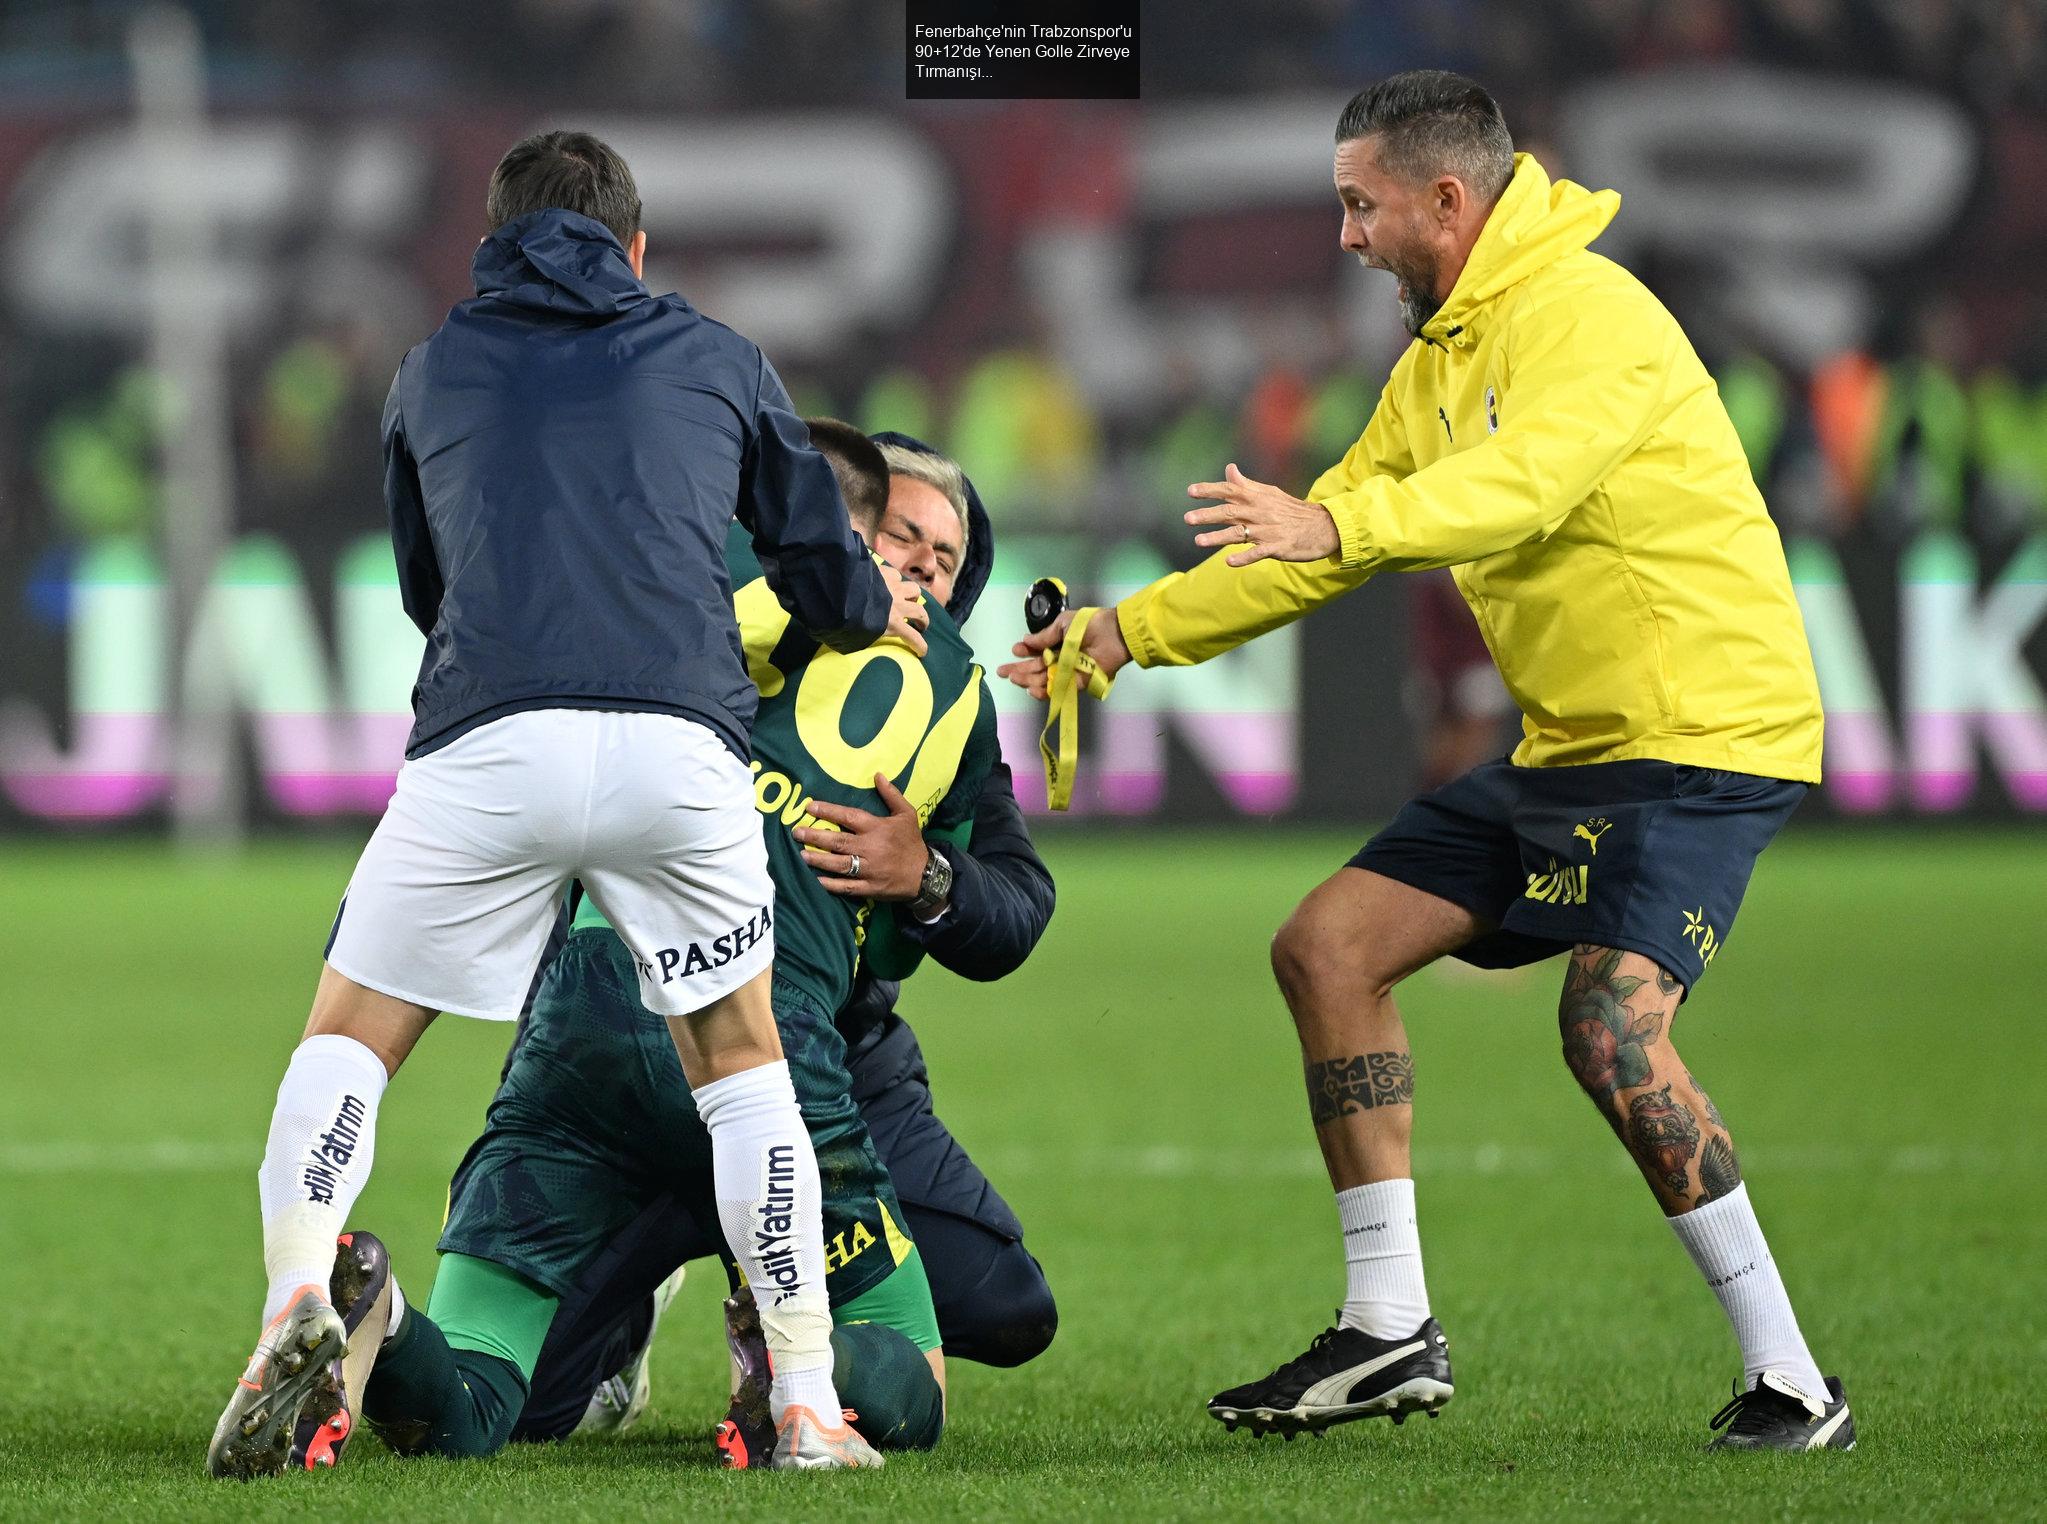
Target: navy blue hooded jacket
561, 462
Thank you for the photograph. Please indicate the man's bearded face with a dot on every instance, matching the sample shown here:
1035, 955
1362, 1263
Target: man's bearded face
1385, 225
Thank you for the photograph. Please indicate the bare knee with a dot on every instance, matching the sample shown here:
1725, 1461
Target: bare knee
1293, 959
1296, 961
1315, 959
1355, 937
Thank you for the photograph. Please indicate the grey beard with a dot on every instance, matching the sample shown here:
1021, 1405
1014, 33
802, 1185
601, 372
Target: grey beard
1416, 310
1417, 307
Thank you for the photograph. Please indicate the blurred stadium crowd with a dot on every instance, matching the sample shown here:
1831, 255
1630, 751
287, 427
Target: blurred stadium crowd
1088, 333
668, 55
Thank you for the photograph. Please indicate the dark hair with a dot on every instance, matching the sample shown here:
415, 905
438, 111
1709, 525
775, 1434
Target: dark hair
1431, 122
570, 170
857, 462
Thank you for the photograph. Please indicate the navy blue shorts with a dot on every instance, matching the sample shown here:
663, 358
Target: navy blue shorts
1650, 857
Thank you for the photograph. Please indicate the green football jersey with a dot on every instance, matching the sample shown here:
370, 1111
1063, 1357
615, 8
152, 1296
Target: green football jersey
828, 722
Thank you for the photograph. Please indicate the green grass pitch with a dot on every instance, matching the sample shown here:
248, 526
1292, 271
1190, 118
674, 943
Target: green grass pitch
1873, 1032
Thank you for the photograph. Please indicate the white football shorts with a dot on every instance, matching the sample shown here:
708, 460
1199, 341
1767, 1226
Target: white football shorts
452, 900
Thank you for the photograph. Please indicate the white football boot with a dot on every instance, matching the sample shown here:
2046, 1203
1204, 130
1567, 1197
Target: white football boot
620, 1400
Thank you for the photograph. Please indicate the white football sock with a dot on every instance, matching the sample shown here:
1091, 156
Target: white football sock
1382, 1252
1726, 1242
770, 1204
322, 1138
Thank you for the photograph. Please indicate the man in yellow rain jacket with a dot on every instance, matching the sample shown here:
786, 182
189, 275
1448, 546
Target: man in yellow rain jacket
1551, 436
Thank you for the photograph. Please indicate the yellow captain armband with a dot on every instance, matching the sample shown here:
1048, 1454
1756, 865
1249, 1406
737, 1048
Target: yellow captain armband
1073, 672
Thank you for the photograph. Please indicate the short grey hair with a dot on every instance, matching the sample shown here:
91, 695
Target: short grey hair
1431, 122
934, 470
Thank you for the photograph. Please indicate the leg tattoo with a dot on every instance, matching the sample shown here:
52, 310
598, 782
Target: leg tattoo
1719, 1170
1340, 1086
1712, 1111
1616, 1032
1719, 1173
1663, 1135
1606, 1043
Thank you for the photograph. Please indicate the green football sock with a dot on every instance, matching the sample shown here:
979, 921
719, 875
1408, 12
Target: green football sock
496, 1396
885, 1379
454, 1382
484, 1307
429, 1399
409, 1383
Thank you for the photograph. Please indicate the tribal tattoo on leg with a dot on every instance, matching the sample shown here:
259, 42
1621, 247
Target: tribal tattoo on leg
1616, 1035
1340, 1086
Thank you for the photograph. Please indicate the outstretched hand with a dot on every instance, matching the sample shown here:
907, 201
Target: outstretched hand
1102, 641
1265, 521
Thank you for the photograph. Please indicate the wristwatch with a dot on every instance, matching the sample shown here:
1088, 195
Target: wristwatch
936, 887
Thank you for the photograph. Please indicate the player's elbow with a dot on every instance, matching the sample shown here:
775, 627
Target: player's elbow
1000, 910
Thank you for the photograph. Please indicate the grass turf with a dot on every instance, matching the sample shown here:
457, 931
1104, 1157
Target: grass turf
1871, 1033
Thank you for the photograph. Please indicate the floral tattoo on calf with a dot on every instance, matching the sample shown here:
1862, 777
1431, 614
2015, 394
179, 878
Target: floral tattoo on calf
1339, 1086
1605, 1043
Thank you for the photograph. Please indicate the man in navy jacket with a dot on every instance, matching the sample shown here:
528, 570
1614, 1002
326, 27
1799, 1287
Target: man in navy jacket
563, 459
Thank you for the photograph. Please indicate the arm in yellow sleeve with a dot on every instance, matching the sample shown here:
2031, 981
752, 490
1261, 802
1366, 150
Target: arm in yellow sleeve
1189, 616
1579, 399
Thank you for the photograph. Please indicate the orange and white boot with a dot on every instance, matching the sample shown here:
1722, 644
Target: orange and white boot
803, 1443
362, 1291
254, 1435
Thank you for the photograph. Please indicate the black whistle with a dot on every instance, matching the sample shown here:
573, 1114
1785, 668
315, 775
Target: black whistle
1045, 602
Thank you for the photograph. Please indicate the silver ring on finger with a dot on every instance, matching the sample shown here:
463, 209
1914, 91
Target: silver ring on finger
1246, 529
853, 871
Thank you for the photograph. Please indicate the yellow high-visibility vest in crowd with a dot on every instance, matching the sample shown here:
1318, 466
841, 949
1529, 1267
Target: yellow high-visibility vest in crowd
1554, 439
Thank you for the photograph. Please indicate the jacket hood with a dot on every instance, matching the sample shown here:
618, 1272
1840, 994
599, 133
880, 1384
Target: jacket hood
1536, 223
557, 261
979, 560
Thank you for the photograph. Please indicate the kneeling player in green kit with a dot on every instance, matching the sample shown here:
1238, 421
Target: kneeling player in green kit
593, 1127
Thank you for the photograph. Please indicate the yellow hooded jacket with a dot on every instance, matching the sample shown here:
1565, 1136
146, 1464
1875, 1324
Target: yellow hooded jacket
1553, 437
